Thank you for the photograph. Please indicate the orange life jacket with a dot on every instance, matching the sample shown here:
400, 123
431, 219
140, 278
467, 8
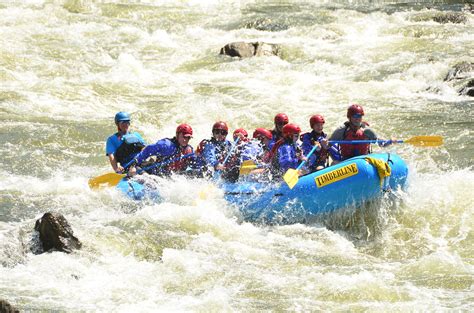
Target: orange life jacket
181, 165
350, 150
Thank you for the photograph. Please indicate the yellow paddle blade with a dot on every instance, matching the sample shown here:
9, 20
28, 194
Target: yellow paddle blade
291, 177
109, 179
425, 141
247, 166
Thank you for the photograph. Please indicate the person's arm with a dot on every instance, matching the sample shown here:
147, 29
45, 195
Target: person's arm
371, 135
338, 134
162, 148
115, 165
110, 148
323, 141
334, 149
229, 154
146, 153
334, 152
307, 146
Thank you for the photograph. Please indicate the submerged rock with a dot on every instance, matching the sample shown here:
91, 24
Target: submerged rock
468, 7
56, 233
460, 71
249, 49
266, 24
6, 307
450, 17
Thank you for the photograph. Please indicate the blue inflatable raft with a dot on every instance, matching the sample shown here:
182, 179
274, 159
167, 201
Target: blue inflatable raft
349, 183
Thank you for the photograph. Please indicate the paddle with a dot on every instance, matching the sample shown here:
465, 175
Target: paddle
112, 179
231, 151
217, 174
291, 176
419, 141
247, 166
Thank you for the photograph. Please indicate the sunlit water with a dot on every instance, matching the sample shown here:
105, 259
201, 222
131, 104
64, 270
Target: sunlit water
68, 66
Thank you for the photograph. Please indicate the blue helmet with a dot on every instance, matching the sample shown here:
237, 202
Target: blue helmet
122, 116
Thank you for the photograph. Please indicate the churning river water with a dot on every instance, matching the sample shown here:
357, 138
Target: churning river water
66, 67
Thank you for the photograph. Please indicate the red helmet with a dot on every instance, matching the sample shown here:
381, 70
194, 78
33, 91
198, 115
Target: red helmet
354, 109
290, 130
220, 125
318, 118
262, 132
184, 129
281, 118
240, 131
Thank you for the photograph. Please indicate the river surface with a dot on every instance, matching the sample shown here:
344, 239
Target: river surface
67, 67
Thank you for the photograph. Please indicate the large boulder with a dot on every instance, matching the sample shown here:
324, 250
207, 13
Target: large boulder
468, 90
249, 49
56, 233
461, 77
6, 307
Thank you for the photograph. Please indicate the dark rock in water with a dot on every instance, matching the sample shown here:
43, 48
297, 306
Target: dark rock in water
249, 49
238, 49
468, 7
460, 71
460, 78
266, 24
56, 233
450, 17
468, 90
6, 307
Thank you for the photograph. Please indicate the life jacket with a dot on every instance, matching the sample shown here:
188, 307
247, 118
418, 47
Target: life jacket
232, 166
350, 150
128, 149
275, 167
272, 156
322, 154
180, 165
200, 146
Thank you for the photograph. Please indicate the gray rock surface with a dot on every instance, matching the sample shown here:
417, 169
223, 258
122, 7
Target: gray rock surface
56, 233
249, 49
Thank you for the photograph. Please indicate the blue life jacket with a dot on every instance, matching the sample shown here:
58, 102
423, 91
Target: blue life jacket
320, 157
285, 157
252, 150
